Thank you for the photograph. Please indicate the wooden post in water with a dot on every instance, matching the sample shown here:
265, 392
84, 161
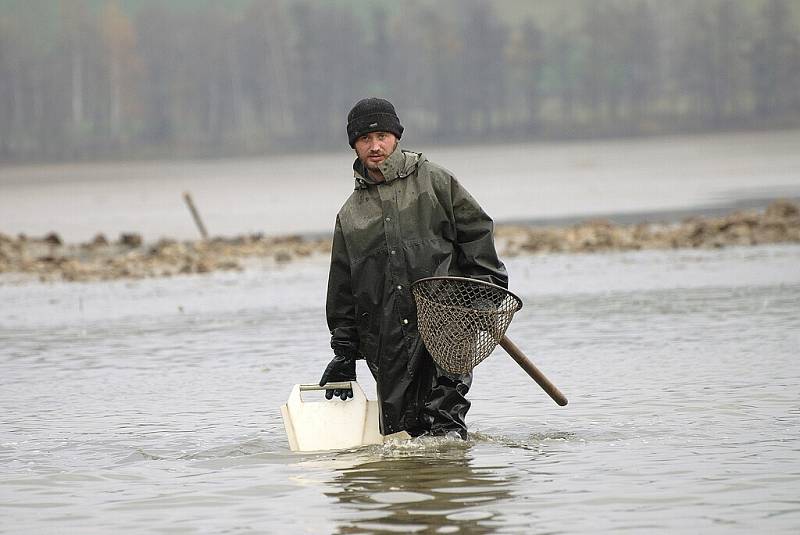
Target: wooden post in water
195, 215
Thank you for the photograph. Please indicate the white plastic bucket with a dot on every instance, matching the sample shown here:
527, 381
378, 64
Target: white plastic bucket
331, 424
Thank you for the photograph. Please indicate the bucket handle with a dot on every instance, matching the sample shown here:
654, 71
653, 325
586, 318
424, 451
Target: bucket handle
358, 393
328, 386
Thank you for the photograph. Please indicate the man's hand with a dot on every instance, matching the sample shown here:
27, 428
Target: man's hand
340, 368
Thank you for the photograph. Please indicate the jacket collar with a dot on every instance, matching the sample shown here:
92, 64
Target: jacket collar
399, 164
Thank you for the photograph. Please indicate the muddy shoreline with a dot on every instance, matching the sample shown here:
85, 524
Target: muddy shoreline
48, 258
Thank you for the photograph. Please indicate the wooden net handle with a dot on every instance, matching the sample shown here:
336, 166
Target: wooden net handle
533, 371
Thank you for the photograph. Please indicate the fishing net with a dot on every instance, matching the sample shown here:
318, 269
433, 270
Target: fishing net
462, 320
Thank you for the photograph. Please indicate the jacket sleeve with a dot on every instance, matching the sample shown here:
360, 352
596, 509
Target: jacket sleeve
477, 256
340, 306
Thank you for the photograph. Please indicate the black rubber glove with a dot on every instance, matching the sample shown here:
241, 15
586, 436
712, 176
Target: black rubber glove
340, 368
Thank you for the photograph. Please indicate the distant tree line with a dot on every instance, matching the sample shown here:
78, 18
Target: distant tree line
80, 80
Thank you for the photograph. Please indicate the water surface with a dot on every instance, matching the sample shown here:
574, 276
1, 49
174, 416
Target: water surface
301, 193
152, 406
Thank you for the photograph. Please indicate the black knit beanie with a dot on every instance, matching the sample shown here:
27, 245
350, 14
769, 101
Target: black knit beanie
372, 115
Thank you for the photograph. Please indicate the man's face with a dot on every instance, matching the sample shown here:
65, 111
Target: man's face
373, 148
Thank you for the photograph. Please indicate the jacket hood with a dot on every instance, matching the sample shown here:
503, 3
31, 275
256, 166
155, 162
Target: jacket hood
399, 164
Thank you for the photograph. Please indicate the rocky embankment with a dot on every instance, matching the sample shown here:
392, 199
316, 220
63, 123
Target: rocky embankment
49, 259
778, 223
129, 257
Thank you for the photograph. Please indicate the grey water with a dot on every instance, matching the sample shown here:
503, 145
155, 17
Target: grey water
301, 193
153, 406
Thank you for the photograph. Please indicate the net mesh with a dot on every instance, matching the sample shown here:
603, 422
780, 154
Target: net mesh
462, 320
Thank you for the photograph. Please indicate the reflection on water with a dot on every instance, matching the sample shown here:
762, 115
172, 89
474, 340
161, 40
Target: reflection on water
426, 487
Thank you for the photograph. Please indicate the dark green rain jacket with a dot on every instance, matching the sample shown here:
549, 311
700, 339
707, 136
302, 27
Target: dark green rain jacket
420, 222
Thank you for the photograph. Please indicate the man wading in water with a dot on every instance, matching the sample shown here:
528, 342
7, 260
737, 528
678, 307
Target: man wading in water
407, 219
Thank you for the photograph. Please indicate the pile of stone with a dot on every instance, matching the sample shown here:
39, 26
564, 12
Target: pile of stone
49, 259
780, 222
